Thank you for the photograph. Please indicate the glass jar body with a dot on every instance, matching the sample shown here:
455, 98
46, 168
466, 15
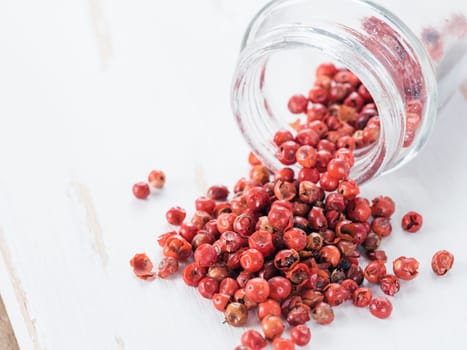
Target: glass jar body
288, 39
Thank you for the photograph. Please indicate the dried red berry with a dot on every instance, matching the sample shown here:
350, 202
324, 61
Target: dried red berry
300, 335
175, 216
142, 267
272, 326
442, 262
412, 221
257, 290
381, 307
389, 284
362, 297
298, 104
279, 288
218, 192
323, 313
167, 267
156, 179
405, 268
236, 314
141, 190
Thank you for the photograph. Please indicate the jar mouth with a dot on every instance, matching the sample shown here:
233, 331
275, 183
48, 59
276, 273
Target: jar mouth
340, 44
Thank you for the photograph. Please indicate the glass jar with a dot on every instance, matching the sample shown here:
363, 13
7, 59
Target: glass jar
410, 63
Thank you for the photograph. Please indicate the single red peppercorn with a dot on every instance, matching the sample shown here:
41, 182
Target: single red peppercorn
383, 207
298, 314
236, 314
327, 182
167, 267
177, 247
279, 288
338, 169
280, 218
272, 326
156, 179
253, 339
259, 174
282, 136
389, 284
382, 226
308, 174
218, 192
286, 152
175, 216
317, 111
317, 218
205, 255
295, 238
206, 204
349, 189
257, 199
330, 254
268, 307
300, 335
253, 159
257, 290
192, 274
200, 218
299, 274
412, 222
362, 297
442, 262
374, 271
381, 307
323, 313
220, 301
207, 287
262, 241
358, 209
306, 156
405, 268
141, 190
142, 267
228, 286
284, 174
298, 104
251, 260
286, 259
318, 94
285, 190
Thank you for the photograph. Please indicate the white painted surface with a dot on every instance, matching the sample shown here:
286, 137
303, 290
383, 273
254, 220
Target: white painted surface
94, 94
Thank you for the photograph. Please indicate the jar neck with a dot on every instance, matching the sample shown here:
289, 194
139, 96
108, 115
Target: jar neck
370, 41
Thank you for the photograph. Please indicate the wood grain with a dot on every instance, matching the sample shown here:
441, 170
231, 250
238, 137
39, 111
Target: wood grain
7, 336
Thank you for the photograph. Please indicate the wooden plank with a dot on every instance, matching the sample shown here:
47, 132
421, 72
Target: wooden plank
7, 336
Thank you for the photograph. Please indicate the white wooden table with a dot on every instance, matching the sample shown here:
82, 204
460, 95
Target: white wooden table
93, 95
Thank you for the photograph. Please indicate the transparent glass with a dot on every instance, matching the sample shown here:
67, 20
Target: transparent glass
410, 63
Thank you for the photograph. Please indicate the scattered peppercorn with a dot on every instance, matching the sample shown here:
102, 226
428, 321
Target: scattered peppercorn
141, 190
412, 222
442, 262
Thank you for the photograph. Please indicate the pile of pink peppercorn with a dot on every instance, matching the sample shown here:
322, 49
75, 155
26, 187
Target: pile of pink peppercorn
290, 245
